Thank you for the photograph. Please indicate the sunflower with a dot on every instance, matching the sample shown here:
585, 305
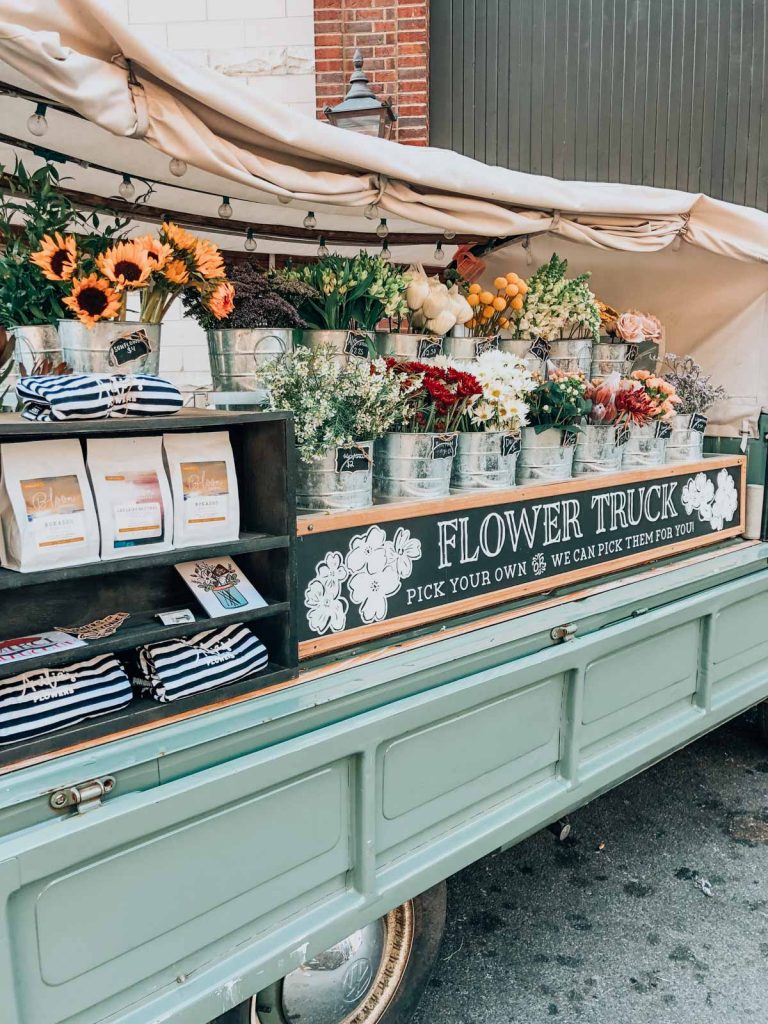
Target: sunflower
58, 257
92, 299
177, 237
125, 264
158, 253
221, 300
208, 260
176, 272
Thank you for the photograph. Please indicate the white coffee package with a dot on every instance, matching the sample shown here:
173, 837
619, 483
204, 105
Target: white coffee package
47, 512
206, 505
133, 497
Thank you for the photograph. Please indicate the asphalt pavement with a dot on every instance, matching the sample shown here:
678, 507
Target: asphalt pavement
654, 912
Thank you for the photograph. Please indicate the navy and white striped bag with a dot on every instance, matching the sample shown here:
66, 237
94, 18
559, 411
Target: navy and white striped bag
43, 700
89, 396
180, 667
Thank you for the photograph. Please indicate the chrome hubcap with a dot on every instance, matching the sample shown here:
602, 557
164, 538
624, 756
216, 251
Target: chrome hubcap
353, 982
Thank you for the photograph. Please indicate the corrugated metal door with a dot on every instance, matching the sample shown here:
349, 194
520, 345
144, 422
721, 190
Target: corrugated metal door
654, 92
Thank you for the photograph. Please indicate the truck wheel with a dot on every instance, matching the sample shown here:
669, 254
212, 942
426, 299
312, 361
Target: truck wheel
762, 721
374, 976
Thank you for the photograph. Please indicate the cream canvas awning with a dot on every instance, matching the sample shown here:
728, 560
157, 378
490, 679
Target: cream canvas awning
698, 263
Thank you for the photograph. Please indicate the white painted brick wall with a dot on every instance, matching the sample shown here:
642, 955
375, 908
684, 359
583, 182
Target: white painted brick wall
267, 45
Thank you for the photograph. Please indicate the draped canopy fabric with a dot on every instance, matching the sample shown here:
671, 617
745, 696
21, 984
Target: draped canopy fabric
698, 263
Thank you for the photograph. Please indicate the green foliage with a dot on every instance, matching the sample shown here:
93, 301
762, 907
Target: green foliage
357, 292
32, 205
559, 402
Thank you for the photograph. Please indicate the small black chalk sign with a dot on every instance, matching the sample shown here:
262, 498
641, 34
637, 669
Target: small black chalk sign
353, 459
663, 429
631, 353
357, 345
621, 435
430, 348
569, 439
540, 349
698, 422
510, 444
486, 345
129, 348
444, 446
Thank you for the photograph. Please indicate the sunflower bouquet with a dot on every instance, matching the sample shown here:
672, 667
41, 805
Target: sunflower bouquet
96, 278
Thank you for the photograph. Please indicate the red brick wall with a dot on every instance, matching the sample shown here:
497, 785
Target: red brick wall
394, 40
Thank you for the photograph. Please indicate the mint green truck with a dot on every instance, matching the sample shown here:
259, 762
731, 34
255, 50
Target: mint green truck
282, 858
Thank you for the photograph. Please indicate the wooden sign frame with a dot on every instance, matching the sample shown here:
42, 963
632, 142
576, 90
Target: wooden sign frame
412, 513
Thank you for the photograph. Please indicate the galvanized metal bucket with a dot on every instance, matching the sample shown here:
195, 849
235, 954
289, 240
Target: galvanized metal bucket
644, 448
31, 347
341, 479
237, 356
413, 465
521, 347
546, 456
408, 346
484, 461
596, 450
684, 444
570, 355
112, 346
467, 349
611, 356
346, 346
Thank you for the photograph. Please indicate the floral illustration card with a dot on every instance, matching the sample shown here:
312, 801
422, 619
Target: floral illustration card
220, 586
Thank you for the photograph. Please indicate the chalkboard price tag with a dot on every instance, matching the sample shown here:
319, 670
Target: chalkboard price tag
444, 446
621, 435
631, 353
352, 460
486, 345
540, 349
129, 348
569, 439
510, 444
357, 345
429, 348
664, 430
698, 422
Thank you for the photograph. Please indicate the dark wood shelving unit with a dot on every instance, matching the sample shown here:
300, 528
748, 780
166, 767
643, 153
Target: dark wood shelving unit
144, 585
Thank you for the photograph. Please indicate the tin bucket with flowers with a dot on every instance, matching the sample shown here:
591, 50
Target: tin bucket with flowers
697, 394
557, 408
649, 404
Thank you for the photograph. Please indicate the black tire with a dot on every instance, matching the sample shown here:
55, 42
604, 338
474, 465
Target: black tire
428, 924
761, 720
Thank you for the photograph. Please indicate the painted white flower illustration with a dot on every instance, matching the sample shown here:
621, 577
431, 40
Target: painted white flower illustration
714, 506
332, 571
407, 550
538, 564
325, 608
372, 571
726, 501
697, 495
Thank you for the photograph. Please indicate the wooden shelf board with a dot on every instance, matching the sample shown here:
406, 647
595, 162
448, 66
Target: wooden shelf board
140, 630
247, 542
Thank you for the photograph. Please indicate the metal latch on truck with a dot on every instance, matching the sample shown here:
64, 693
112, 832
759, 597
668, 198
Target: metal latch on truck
84, 797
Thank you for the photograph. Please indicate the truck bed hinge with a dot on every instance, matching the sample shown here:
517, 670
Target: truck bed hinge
84, 797
562, 634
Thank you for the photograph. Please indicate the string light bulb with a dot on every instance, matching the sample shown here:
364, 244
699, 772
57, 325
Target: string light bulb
382, 230
448, 234
127, 189
438, 254
322, 249
225, 209
36, 123
285, 200
386, 253
371, 212
177, 167
310, 221
250, 241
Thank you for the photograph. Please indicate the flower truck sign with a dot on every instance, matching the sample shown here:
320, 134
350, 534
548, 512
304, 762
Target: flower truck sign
394, 567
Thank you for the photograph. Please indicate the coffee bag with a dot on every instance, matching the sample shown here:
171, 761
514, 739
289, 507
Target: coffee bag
133, 498
206, 505
47, 513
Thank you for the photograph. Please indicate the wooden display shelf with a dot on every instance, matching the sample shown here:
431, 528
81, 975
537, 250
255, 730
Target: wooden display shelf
143, 585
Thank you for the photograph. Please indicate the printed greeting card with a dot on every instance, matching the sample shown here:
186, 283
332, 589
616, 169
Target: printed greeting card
220, 586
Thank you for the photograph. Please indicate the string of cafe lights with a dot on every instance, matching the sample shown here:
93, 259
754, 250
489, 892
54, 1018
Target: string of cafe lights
37, 125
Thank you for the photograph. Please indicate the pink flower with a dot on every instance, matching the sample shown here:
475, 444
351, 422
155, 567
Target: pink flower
629, 327
652, 328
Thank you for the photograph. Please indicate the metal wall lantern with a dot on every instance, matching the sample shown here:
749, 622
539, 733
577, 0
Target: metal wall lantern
361, 110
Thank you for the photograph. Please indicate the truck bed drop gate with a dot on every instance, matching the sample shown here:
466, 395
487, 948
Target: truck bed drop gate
183, 899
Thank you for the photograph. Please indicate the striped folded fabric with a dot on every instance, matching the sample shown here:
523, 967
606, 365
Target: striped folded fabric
43, 700
180, 667
89, 396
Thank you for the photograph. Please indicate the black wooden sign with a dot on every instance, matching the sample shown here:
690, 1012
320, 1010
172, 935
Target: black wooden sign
393, 568
353, 459
129, 348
